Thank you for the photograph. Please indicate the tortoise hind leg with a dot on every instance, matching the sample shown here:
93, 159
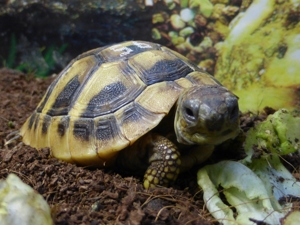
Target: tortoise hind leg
154, 154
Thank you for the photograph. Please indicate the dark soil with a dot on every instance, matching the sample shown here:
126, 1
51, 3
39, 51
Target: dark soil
84, 196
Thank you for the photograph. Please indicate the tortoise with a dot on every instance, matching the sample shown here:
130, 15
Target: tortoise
136, 105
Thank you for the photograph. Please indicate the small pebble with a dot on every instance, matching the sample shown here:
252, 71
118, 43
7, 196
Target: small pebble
187, 14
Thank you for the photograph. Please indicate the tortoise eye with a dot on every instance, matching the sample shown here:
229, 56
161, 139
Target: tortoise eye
234, 113
233, 108
189, 112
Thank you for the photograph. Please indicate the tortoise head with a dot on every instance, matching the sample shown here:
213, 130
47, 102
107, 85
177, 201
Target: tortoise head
206, 114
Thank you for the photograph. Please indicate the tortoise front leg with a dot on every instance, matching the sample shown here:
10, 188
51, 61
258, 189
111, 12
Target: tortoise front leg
156, 155
164, 160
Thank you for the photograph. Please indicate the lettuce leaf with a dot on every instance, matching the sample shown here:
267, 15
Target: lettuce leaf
257, 185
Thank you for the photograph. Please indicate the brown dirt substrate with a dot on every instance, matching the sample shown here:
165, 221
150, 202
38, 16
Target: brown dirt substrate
85, 196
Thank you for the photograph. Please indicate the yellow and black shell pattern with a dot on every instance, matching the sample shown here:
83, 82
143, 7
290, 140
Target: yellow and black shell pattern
107, 98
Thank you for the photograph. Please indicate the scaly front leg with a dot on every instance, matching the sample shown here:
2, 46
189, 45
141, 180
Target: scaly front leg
164, 160
156, 155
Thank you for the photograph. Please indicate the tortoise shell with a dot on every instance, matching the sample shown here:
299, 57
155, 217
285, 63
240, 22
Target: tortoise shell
107, 98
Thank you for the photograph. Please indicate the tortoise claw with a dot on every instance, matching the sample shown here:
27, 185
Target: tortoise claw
12, 137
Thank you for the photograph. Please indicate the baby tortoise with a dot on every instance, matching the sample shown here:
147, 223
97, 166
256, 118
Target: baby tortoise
137, 106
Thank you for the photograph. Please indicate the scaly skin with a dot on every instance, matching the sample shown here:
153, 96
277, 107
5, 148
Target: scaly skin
164, 163
156, 155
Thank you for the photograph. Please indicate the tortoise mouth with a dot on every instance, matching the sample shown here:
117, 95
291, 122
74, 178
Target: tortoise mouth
183, 139
210, 138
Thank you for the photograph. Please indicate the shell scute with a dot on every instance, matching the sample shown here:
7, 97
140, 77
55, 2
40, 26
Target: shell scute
31, 120
63, 125
58, 133
42, 124
134, 120
45, 124
119, 86
68, 83
159, 98
64, 98
107, 129
157, 66
109, 137
82, 141
83, 129
126, 50
201, 78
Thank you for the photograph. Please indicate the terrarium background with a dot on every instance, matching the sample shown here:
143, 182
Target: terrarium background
43, 36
